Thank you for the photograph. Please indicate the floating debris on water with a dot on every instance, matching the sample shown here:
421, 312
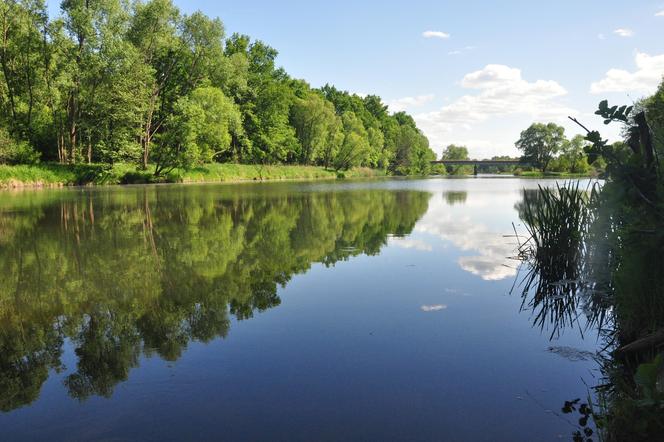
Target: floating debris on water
572, 354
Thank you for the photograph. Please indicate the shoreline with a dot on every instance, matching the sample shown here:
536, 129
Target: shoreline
54, 176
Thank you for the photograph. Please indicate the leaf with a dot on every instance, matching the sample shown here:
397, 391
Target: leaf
646, 377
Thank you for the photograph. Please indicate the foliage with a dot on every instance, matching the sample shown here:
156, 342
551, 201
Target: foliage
556, 219
540, 143
200, 130
318, 129
114, 81
15, 152
454, 152
355, 147
572, 157
617, 275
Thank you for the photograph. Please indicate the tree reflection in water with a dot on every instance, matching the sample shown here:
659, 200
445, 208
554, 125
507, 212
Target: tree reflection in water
588, 257
145, 271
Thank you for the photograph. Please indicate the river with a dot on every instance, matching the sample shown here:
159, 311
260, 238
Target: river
350, 310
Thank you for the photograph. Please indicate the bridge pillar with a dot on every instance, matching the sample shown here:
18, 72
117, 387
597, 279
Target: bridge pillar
475, 169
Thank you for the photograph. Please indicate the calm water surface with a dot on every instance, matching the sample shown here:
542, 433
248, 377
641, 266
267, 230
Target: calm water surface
377, 310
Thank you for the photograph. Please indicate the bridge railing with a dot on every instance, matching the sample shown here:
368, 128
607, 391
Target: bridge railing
482, 162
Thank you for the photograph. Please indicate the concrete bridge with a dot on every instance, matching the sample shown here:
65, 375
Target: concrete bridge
477, 163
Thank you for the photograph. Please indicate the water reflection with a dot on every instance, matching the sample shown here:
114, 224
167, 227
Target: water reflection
586, 261
146, 271
453, 221
555, 286
453, 197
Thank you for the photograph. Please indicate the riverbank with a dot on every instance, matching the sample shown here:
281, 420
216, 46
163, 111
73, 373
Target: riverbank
539, 174
61, 175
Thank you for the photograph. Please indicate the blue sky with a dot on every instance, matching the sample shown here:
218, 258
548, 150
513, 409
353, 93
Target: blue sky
485, 70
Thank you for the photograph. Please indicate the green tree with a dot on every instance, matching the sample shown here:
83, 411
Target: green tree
15, 152
107, 78
23, 61
199, 130
412, 153
573, 157
454, 152
314, 120
540, 143
355, 147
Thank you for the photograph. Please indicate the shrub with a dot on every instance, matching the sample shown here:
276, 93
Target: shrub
15, 152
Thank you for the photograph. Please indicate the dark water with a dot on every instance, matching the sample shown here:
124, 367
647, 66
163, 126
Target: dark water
322, 311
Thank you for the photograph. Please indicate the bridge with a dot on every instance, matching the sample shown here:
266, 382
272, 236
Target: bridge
477, 163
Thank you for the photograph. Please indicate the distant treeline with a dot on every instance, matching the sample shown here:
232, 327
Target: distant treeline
113, 81
544, 147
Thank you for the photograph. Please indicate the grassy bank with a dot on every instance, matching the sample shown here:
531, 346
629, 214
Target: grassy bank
56, 175
539, 174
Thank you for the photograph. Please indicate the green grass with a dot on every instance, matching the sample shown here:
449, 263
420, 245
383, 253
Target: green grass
539, 174
55, 175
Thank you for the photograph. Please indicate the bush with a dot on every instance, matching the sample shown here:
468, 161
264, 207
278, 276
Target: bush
136, 177
16, 152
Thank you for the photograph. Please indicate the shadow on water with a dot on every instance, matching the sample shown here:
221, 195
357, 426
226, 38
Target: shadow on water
146, 271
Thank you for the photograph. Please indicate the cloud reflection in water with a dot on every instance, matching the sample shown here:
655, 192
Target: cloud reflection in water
458, 225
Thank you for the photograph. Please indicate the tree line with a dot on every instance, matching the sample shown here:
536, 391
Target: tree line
544, 146
108, 81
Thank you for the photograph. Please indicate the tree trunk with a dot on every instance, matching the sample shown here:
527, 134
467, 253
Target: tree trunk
5, 68
147, 133
72, 129
89, 150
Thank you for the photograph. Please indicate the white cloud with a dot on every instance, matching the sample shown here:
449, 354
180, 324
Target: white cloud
461, 51
624, 32
645, 79
601, 36
435, 34
408, 243
501, 92
659, 14
401, 104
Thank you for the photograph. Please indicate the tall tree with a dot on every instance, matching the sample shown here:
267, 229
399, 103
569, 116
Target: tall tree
454, 152
314, 119
540, 143
355, 147
23, 41
199, 130
153, 32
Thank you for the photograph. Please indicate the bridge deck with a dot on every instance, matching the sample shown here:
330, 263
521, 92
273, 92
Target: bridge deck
482, 162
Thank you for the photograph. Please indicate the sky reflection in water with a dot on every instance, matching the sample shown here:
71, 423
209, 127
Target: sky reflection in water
356, 310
